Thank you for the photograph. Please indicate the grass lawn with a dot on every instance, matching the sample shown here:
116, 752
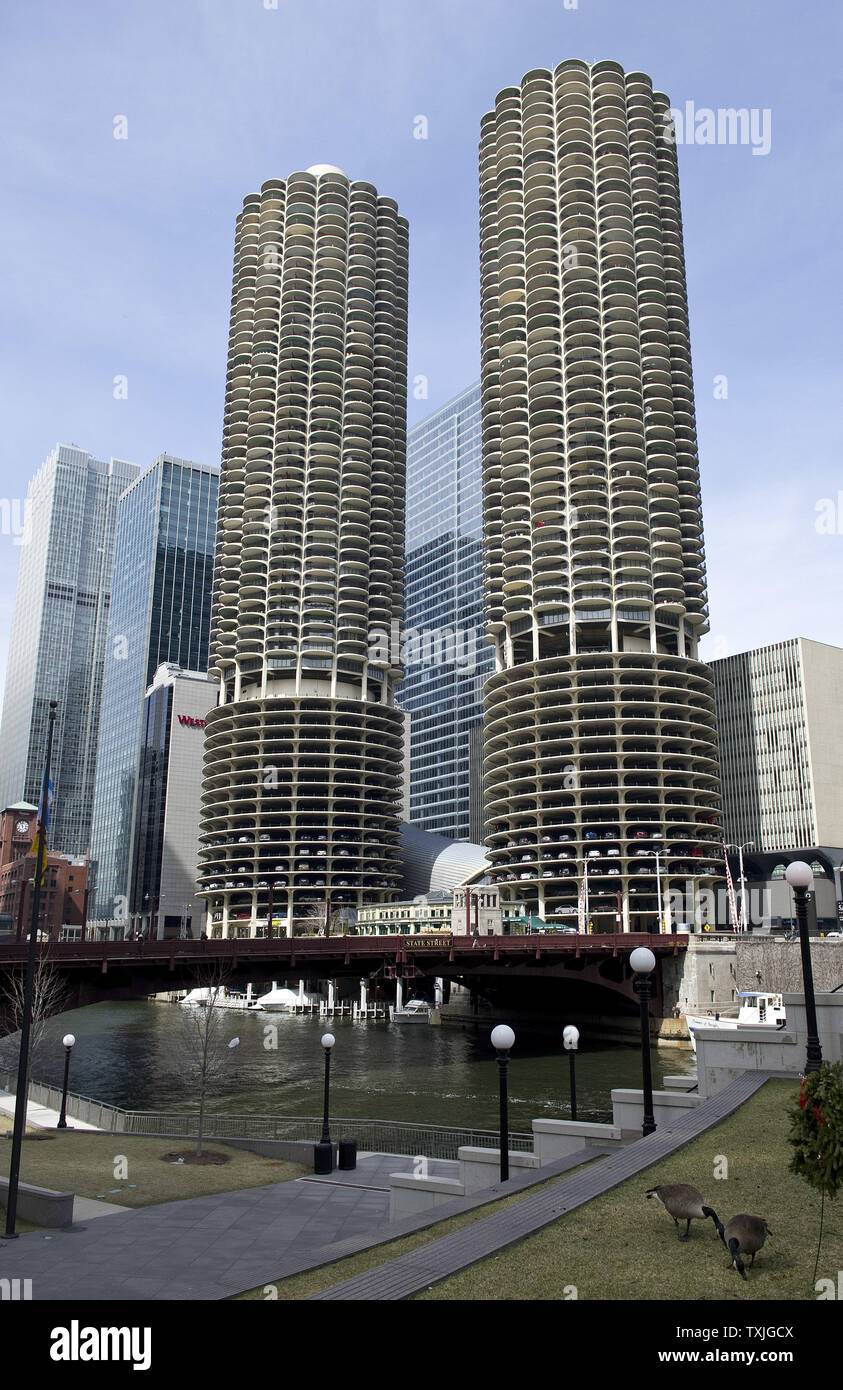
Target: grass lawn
303, 1285
85, 1163
622, 1246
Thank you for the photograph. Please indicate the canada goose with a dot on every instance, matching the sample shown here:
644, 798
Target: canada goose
744, 1235
684, 1203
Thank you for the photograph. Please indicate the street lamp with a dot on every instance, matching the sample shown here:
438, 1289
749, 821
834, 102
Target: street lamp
643, 962
570, 1042
502, 1041
325, 1149
657, 855
68, 1042
799, 875
750, 844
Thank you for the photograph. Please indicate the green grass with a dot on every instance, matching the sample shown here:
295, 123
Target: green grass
314, 1281
85, 1163
622, 1246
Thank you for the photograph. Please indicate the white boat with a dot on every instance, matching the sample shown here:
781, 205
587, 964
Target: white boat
286, 1001
414, 1011
220, 998
756, 1011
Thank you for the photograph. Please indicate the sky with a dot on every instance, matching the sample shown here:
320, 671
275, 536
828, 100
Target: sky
118, 251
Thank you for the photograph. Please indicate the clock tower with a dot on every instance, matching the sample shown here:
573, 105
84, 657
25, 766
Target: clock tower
17, 831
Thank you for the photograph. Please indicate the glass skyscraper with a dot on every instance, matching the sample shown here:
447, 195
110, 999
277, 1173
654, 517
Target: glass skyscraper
446, 658
58, 636
160, 612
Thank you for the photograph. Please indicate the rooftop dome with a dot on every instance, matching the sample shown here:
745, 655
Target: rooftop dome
317, 170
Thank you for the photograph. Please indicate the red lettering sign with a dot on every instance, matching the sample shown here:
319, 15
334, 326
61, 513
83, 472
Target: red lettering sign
191, 722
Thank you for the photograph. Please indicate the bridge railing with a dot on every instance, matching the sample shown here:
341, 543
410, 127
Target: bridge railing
377, 1136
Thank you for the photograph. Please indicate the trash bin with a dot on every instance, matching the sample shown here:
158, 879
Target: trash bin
323, 1158
348, 1154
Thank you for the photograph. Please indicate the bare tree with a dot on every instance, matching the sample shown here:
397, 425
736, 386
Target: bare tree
202, 1036
49, 997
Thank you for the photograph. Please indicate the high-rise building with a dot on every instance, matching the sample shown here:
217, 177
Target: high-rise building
446, 656
165, 846
600, 751
160, 612
57, 644
780, 726
303, 755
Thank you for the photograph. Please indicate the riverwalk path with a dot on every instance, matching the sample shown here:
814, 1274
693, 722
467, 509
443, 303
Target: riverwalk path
213, 1247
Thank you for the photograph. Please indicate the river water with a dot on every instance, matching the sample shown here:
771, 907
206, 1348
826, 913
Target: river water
132, 1055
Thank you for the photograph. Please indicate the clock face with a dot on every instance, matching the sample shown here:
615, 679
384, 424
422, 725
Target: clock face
22, 827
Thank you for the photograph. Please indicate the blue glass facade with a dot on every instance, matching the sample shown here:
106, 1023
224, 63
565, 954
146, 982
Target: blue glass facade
446, 658
160, 612
57, 646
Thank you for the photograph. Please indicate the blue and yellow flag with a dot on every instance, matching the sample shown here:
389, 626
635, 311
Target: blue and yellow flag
43, 822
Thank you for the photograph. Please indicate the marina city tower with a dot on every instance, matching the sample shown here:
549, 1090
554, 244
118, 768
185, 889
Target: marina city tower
302, 778
600, 754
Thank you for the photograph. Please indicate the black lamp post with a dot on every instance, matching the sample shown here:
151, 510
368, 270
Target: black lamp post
68, 1042
324, 1158
571, 1041
502, 1041
643, 962
29, 990
799, 875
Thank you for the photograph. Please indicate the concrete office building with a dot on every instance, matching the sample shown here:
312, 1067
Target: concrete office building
57, 646
599, 729
780, 725
303, 755
447, 658
160, 612
165, 848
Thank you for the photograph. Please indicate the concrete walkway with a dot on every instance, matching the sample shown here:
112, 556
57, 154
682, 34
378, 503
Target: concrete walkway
39, 1116
218, 1246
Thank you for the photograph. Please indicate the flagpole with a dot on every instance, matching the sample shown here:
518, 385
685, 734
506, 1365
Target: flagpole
28, 992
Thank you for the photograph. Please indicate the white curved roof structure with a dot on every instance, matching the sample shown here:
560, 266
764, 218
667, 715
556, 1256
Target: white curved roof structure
433, 863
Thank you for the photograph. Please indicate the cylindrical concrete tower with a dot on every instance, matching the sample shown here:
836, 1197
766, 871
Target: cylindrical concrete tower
600, 754
302, 788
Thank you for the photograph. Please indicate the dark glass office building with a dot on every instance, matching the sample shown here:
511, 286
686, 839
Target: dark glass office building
160, 612
446, 658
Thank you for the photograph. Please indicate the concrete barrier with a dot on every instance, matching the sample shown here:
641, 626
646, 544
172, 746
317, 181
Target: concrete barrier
410, 1195
628, 1109
553, 1139
41, 1205
481, 1168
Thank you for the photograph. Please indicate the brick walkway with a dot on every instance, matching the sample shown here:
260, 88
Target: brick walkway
409, 1274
